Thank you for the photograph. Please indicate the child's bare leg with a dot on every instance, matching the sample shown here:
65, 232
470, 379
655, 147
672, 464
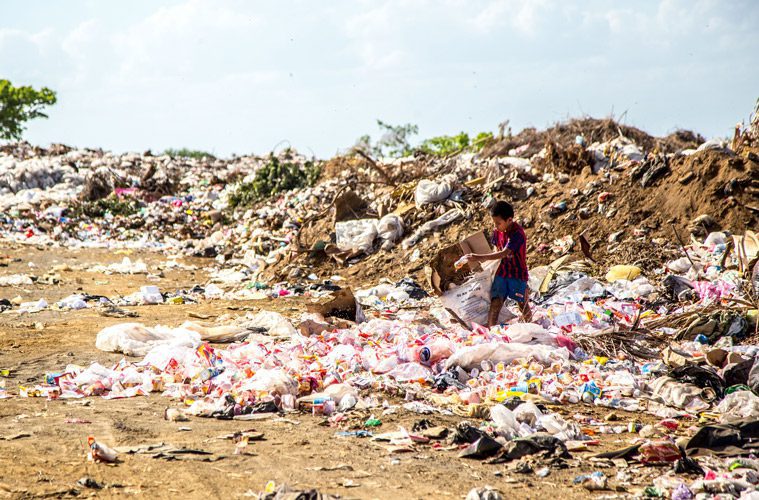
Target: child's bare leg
495, 310
524, 308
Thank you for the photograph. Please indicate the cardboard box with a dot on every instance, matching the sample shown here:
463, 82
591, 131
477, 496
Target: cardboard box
443, 274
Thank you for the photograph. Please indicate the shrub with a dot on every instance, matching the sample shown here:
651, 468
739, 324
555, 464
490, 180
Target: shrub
275, 177
188, 153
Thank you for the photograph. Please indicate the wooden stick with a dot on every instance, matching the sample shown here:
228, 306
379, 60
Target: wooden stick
682, 246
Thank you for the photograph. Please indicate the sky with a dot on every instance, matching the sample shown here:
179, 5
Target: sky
239, 76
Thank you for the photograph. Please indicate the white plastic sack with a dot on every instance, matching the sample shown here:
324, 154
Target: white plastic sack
356, 235
431, 192
470, 301
501, 352
135, 339
275, 324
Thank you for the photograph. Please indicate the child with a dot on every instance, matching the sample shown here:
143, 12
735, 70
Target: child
511, 279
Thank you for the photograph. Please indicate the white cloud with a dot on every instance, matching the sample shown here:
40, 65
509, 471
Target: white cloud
187, 39
524, 16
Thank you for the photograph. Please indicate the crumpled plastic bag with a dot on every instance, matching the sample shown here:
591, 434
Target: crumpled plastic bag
432, 192
274, 381
447, 218
390, 229
623, 289
135, 339
356, 235
526, 332
274, 323
739, 405
678, 394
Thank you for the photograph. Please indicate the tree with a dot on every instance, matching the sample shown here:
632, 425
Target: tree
19, 105
394, 141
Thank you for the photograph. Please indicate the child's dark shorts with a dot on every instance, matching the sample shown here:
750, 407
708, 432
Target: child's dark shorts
511, 288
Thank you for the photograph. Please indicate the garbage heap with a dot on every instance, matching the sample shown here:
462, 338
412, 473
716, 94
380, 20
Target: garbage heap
643, 301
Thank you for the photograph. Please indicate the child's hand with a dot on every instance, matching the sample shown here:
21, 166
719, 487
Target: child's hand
471, 257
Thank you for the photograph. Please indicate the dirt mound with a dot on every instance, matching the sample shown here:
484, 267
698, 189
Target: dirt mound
714, 183
592, 130
623, 221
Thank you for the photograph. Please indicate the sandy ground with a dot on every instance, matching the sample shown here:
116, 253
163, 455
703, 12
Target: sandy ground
42, 443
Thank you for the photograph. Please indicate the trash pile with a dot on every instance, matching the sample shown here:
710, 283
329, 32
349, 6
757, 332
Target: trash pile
613, 342
636, 320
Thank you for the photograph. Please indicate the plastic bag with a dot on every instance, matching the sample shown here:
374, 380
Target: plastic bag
217, 334
390, 229
625, 290
135, 339
528, 413
526, 332
431, 192
680, 266
429, 226
717, 238
356, 235
274, 381
150, 294
739, 405
505, 421
275, 324
679, 395
470, 301
500, 352
409, 372
72, 302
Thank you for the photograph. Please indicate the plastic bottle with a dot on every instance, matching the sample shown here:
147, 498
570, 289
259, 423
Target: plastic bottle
100, 452
432, 353
209, 373
460, 263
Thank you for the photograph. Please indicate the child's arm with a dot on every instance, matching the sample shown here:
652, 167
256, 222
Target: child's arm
482, 257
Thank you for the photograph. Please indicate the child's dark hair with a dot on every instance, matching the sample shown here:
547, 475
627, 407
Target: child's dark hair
502, 209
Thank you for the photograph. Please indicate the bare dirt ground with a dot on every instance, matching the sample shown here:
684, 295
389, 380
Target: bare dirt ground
42, 443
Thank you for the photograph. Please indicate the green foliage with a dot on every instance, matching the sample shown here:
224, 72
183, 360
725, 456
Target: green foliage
445, 145
19, 105
113, 204
273, 178
482, 140
393, 143
188, 153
